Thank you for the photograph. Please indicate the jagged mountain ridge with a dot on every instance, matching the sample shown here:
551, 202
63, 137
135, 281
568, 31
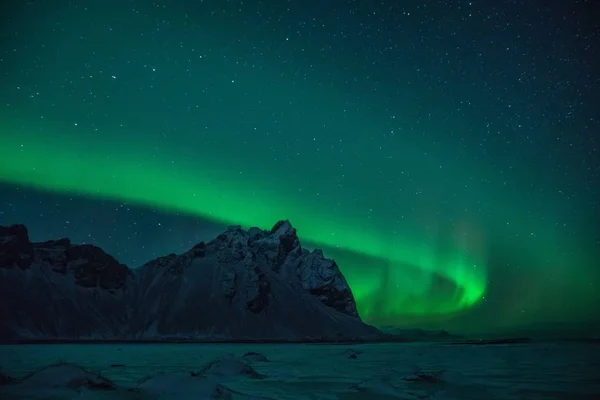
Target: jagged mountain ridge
244, 285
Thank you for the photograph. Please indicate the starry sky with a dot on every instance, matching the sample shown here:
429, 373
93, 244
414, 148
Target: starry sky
445, 153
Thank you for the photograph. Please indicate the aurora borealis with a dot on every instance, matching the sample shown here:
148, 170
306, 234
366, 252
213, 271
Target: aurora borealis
445, 155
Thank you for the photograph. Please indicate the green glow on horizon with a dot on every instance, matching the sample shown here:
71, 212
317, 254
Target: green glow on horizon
216, 192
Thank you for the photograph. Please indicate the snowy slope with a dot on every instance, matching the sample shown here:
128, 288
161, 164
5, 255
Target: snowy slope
251, 284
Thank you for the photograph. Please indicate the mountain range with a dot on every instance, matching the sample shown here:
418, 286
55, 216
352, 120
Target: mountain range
244, 285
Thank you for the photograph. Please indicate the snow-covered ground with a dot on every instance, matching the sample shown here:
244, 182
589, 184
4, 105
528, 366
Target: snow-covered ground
294, 371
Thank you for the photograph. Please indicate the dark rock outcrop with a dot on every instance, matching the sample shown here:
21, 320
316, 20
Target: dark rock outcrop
16, 251
89, 265
253, 356
227, 367
244, 285
58, 290
5, 379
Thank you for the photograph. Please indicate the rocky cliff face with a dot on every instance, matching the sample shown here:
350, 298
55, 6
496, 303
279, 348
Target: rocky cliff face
252, 284
58, 290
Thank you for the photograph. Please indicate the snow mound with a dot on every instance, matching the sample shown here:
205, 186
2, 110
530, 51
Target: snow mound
228, 367
65, 375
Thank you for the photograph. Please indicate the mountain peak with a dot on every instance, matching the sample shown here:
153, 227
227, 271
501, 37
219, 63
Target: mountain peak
88, 265
282, 227
243, 285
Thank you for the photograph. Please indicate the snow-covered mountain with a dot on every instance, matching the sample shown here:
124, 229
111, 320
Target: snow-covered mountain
243, 285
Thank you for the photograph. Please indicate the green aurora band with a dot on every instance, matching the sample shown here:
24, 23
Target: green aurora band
411, 267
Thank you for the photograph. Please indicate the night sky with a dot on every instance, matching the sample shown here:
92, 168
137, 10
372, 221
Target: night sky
445, 153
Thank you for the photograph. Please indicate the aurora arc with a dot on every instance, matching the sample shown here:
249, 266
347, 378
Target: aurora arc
214, 191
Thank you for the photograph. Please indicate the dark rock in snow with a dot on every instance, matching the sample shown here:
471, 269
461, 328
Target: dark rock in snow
422, 376
244, 285
252, 356
5, 379
228, 367
352, 354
